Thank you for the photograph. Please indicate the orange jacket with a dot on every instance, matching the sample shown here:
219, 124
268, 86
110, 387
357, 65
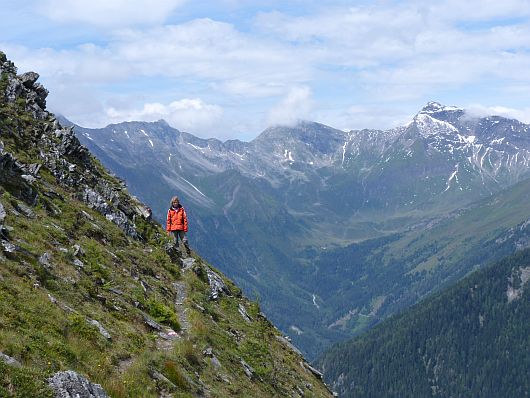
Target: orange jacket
177, 220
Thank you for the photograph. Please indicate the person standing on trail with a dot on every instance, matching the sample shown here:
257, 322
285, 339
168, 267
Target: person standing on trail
177, 223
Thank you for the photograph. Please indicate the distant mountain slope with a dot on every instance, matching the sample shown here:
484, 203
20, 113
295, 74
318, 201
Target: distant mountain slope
469, 341
92, 290
294, 194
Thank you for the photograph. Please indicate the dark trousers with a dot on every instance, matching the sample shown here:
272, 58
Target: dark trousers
180, 236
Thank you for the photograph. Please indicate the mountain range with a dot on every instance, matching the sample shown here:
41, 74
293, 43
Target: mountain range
333, 231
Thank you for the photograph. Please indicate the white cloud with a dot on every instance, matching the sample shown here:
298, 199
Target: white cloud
192, 115
109, 13
295, 106
205, 50
374, 55
523, 115
475, 10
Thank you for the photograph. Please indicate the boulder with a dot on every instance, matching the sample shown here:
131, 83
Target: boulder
28, 79
45, 260
243, 312
9, 360
249, 371
101, 329
217, 285
70, 384
8, 247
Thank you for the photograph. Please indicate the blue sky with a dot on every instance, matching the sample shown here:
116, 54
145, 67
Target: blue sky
230, 68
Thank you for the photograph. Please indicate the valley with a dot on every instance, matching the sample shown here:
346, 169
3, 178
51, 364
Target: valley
334, 231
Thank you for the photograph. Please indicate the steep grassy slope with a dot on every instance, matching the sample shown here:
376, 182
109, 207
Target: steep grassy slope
469, 341
88, 284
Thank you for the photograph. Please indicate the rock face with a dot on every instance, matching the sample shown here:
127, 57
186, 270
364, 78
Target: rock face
70, 384
62, 153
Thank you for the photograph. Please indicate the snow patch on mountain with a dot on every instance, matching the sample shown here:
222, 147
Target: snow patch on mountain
435, 107
452, 177
428, 125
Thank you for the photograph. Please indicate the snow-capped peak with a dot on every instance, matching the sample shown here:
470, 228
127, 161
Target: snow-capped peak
435, 107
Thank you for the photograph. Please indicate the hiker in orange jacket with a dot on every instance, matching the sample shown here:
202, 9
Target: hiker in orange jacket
177, 223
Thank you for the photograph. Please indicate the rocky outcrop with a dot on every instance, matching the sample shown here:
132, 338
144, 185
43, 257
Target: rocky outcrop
70, 384
24, 87
217, 285
61, 153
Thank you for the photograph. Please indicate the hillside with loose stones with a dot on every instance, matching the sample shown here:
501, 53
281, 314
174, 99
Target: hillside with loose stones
94, 299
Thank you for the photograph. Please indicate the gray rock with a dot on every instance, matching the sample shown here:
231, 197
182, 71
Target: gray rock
156, 375
208, 352
101, 329
87, 215
3, 213
34, 168
70, 384
22, 208
28, 79
78, 250
217, 285
152, 323
215, 362
28, 178
287, 342
13, 90
249, 371
242, 310
169, 334
79, 263
40, 99
312, 370
102, 203
173, 252
143, 211
300, 391
187, 263
9, 360
45, 260
8, 247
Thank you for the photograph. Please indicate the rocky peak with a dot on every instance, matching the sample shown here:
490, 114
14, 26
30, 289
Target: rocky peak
435, 107
435, 110
58, 149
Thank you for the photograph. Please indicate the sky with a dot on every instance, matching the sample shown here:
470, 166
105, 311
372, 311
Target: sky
231, 68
